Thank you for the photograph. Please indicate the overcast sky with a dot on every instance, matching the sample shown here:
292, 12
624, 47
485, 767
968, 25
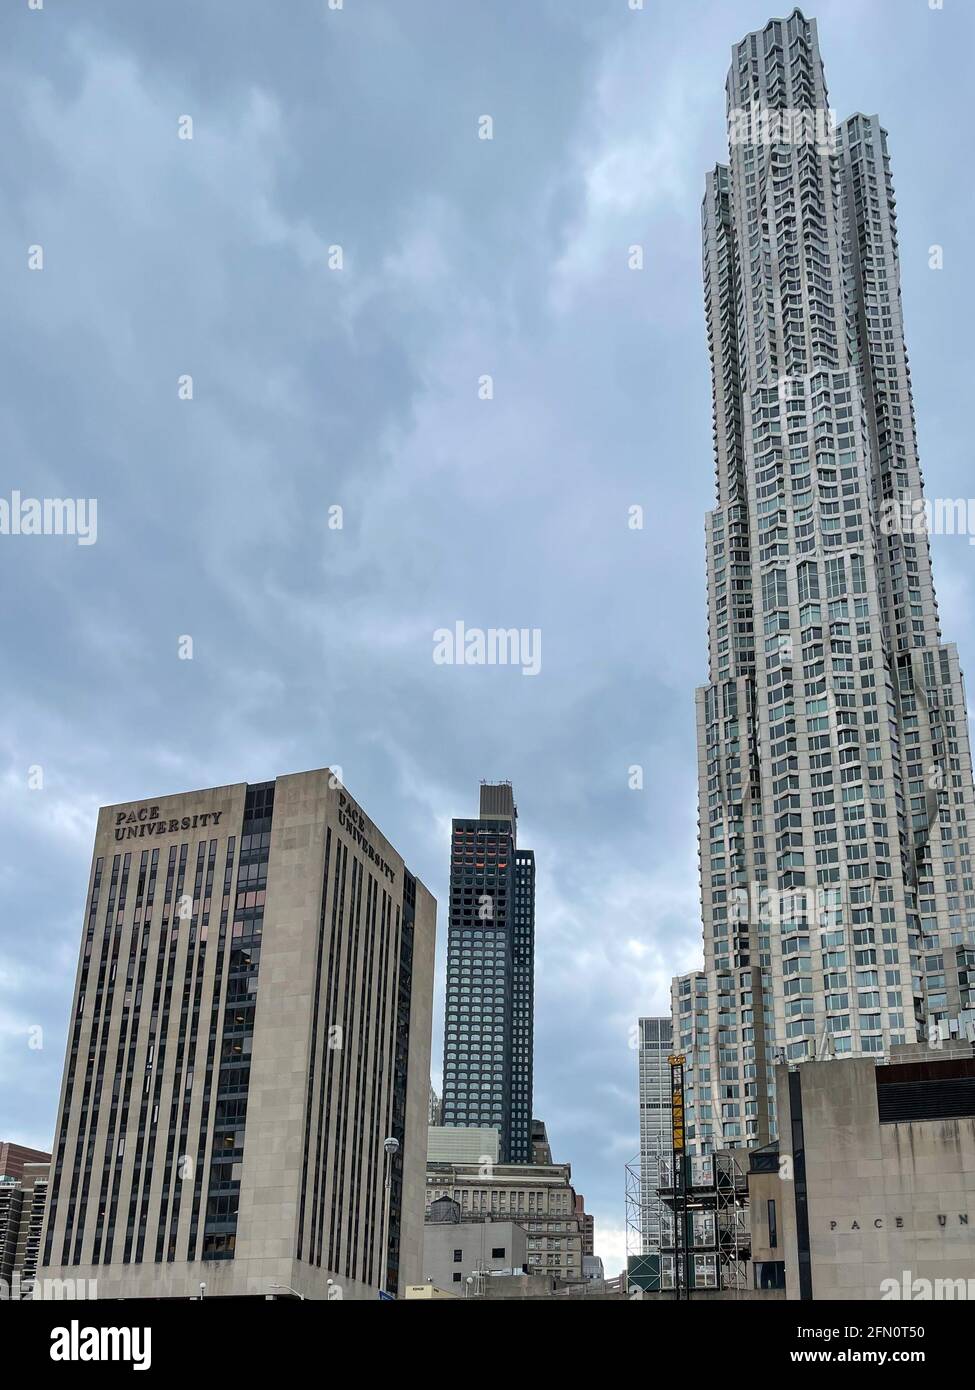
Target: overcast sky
358, 387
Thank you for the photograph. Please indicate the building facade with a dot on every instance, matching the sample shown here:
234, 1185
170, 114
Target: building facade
873, 1195
716, 1102
655, 1038
459, 1255
835, 773
541, 1148
456, 1145
689, 1017
539, 1197
22, 1201
251, 1024
14, 1158
587, 1225
489, 1016
435, 1111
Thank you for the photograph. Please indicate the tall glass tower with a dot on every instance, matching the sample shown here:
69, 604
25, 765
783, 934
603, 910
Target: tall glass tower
656, 1133
489, 1020
836, 798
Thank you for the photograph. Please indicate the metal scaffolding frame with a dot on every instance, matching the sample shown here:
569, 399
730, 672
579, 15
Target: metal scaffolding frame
731, 1217
635, 1207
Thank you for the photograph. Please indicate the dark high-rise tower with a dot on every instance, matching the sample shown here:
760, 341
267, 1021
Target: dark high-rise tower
490, 976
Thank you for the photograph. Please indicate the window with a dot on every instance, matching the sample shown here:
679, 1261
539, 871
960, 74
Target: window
773, 1230
458, 1256
770, 1274
457, 1278
497, 1253
705, 1272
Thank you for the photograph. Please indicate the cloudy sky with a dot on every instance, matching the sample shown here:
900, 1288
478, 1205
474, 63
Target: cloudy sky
315, 387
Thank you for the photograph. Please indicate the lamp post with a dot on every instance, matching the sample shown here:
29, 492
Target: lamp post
390, 1147
286, 1288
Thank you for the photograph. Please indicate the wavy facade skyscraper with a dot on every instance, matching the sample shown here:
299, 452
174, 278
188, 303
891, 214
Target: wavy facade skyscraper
836, 798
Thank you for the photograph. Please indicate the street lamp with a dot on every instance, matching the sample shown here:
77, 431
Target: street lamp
286, 1288
390, 1147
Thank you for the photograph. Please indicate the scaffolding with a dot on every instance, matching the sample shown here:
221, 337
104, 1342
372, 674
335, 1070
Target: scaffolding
697, 1207
635, 1208
715, 1202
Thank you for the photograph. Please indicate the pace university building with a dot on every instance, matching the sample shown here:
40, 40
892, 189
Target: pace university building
251, 1025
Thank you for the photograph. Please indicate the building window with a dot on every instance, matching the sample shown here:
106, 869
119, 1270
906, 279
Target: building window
773, 1230
458, 1256
705, 1272
770, 1274
497, 1253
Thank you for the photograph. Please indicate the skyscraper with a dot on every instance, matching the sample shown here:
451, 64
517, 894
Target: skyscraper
836, 797
489, 1019
656, 1135
251, 1025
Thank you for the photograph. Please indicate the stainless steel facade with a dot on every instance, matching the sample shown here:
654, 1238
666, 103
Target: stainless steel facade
836, 797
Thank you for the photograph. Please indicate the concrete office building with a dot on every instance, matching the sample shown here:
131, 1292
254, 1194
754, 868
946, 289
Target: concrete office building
871, 1197
877, 1200
251, 1023
22, 1202
489, 1018
836, 798
539, 1197
459, 1255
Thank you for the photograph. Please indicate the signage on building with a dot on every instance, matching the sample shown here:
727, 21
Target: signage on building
353, 822
146, 820
676, 1060
896, 1223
